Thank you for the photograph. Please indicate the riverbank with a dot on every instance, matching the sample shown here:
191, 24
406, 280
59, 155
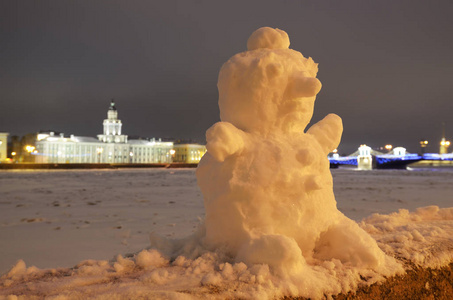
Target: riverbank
34, 166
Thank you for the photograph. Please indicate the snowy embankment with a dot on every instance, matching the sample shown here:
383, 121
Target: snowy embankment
55, 220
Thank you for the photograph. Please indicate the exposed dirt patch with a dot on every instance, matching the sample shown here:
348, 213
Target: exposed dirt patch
417, 283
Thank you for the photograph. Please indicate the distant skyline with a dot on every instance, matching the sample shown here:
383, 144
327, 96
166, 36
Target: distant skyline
385, 66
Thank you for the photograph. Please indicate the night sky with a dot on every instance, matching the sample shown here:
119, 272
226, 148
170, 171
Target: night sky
386, 66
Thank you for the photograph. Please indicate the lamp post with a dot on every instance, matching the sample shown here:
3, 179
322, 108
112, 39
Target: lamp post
423, 145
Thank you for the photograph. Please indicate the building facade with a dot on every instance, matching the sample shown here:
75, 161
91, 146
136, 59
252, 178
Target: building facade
3, 146
110, 147
188, 153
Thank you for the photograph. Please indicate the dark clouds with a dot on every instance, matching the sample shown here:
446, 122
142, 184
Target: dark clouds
385, 66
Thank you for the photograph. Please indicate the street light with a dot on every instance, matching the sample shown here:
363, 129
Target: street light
388, 147
29, 148
423, 145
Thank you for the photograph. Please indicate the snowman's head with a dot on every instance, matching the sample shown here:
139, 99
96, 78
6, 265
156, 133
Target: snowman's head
269, 86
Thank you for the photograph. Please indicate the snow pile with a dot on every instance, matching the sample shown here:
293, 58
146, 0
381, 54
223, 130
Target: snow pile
423, 237
151, 274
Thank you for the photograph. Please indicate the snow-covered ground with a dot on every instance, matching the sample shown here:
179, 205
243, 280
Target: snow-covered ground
54, 219
58, 218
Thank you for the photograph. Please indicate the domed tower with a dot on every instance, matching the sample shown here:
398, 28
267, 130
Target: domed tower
112, 127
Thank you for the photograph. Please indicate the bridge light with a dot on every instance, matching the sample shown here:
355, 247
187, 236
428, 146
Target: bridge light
388, 147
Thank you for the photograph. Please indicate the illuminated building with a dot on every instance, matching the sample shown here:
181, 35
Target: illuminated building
364, 159
112, 127
188, 153
109, 147
444, 144
399, 151
3, 146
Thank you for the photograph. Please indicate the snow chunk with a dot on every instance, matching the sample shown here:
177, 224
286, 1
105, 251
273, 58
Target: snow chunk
280, 252
123, 264
92, 267
150, 259
267, 37
18, 269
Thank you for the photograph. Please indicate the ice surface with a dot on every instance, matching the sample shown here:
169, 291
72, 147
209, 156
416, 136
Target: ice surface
92, 214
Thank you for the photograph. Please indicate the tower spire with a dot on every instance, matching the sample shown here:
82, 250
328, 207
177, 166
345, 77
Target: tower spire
112, 127
112, 105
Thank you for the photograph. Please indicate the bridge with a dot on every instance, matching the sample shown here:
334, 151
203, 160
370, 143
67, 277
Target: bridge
366, 159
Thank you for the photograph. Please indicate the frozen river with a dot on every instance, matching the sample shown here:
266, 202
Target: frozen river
58, 218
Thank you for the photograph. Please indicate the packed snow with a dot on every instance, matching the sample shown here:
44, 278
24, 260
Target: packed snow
266, 223
267, 186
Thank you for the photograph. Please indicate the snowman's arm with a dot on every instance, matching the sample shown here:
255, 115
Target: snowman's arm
328, 132
223, 140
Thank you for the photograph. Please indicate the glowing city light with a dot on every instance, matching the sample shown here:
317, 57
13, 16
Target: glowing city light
29, 148
445, 143
388, 147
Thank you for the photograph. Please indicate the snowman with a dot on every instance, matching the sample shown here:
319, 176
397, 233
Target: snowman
266, 182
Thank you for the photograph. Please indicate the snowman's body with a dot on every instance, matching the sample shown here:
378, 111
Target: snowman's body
266, 183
